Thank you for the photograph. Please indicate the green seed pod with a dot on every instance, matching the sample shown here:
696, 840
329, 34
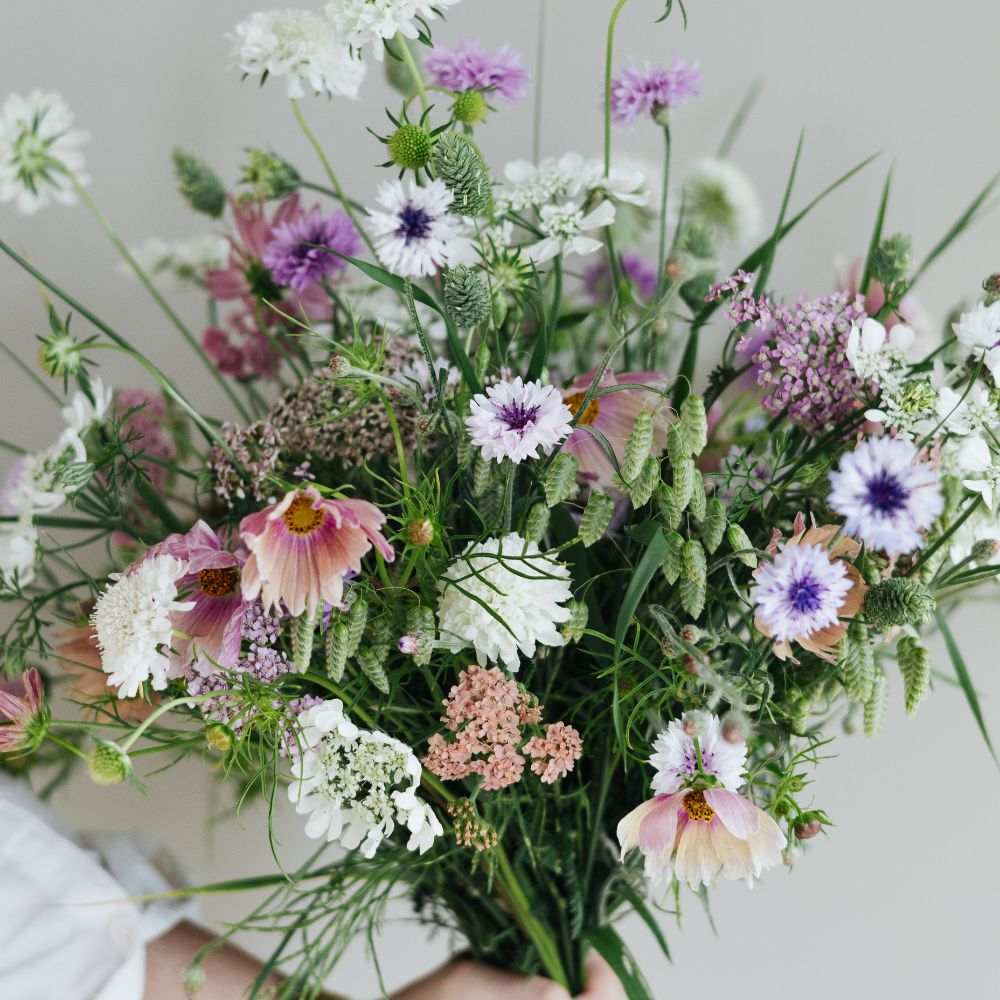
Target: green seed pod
915, 666
694, 578
677, 444
338, 641
268, 176
673, 564
713, 526
357, 619
410, 147
856, 663
303, 635
596, 518
372, 663
109, 764
695, 423
560, 480
466, 297
876, 705
420, 622
470, 108
200, 186
644, 485
457, 162
638, 446
898, 601
572, 630
683, 484
739, 541
670, 510
537, 523
698, 501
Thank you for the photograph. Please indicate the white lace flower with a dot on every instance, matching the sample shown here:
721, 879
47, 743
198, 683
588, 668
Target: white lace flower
530, 185
38, 149
133, 623
503, 596
719, 193
302, 46
81, 411
676, 758
374, 22
877, 355
356, 786
18, 551
563, 227
516, 419
414, 232
177, 264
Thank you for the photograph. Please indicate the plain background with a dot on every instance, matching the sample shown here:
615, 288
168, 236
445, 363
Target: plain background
899, 898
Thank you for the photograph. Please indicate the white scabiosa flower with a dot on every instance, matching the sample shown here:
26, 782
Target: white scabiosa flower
516, 419
18, 550
414, 232
302, 46
39, 149
523, 588
133, 624
719, 193
375, 22
357, 786
177, 264
979, 328
887, 497
564, 227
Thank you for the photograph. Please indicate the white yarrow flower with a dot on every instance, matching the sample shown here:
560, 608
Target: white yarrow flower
563, 228
719, 193
414, 233
39, 148
132, 620
375, 22
302, 46
524, 588
516, 419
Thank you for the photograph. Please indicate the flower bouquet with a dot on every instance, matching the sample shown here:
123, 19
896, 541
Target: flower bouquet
470, 573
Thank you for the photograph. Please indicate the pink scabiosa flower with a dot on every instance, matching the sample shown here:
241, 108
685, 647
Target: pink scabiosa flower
209, 634
302, 548
299, 255
613, 414
515, 419
470, 67
653, 90
699, 824
28, 716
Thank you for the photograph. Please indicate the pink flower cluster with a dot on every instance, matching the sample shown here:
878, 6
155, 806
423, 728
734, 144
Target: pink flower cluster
486, 710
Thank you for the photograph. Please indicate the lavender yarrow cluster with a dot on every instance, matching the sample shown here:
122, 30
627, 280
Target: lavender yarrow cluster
803, 363
241, 468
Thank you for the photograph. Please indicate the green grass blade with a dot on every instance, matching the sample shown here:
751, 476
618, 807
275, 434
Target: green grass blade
876, 239
772, 245
739, 119
639, 905
609, 945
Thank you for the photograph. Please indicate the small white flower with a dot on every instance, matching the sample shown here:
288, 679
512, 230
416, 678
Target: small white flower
676, 759
179, 263
375, 22
414, 232
18, 551
980, 327
81, 412
35, 485
39, 148
563, 227
719, 193
302, 46
134, 626
529, 185
516, 419
876, 355
522, 587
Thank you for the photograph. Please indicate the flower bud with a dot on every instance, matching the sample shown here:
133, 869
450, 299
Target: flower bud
193, 980
735, 727
690, 667
338, 365
268, 176
60, 355
200, 186
808, 829
410, 147
693, 723
408, 644
690, 633
109, 764
898, 601
420, 531
470, 108
985, 549
991, 286
219, 737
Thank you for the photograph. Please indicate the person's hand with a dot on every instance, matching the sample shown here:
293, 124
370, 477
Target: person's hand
464, 980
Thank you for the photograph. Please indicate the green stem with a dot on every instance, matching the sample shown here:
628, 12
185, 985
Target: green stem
662, 254
328, 168
411, 65
397, 437
162, 710
536, 139
608, 64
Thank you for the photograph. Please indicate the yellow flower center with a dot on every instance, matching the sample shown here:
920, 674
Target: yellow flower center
219, 582
589, 415
697, 808
302, 518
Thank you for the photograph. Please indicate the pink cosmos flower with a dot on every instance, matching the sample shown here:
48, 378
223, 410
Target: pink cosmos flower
692, 834
613, 414
212, 582
302, 548
28, 715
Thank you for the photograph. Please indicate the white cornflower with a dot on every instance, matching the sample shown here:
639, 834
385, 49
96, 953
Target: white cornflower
887, 497
82, 411
355, 785
720, 194
133, 623
414, 232
979, 327
522, 587
563, 227
375, 22
516, 419
178, 264
18, 550
302, 46
34, 485
39, 148
676, 759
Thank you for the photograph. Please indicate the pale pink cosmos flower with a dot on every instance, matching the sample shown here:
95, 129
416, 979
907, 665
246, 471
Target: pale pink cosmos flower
28, 716
613, 414
302, 548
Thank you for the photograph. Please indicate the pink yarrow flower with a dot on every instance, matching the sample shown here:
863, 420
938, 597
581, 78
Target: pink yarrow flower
302, 548
28, 716
653, 90
470, 67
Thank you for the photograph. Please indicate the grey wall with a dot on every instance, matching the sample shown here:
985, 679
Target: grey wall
898, 899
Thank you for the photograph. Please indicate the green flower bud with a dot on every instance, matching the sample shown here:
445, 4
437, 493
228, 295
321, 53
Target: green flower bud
470, 108
420, 531
458, 163
109, 764
984, 550
991, 286
200, 186
898, 601
268, 176
219, 737
193, 980
410, 147
466, 297
60, 355
917, 396
892, 259
560, 480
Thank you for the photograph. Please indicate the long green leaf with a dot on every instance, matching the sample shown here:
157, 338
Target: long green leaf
639, 905
739, 119
650, 562
608, 944
965, 680
876, 239
768, 261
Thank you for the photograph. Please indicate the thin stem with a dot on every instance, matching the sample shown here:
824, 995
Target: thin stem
609, 58
411, 65
397, 437
328, 168
536, 140
31, 374
662, 254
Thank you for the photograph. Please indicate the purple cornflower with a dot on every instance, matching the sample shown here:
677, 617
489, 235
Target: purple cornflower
800, 592
471, 67
803, 364
653, 90
597, 277
887, 497
298, 254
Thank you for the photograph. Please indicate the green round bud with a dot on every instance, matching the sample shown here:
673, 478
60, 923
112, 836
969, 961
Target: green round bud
219, 737
898, 601
410, 147
470, 108
193, 980
109, 764
60, 355
200, 186
466, 297
268, 176
661, 113
985, 550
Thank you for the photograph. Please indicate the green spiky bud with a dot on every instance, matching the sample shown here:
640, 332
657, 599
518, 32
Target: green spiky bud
915, 666
573, 628
713, 527
109, 764
357, 620
466, 297
560, 480
458, 163
898, 601
739, 541
596, 518
337, 643
876, 705
470, 108
60, 353
694, 577
537, 523
410, 146
268, 176
644, 485
892, 259
694, 422
638, 446
200, 185
673, 564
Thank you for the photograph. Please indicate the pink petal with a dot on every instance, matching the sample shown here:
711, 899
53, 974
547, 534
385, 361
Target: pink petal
658, 827
739, 815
